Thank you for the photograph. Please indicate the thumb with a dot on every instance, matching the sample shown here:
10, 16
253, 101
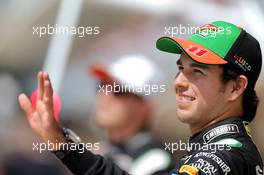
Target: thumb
25, 104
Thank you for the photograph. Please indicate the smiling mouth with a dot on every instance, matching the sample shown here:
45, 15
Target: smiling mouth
185, 98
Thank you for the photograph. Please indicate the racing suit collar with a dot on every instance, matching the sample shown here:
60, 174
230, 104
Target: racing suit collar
229, 128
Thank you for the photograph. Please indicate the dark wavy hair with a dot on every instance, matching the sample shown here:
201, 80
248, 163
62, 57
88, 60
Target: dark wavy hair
250, 99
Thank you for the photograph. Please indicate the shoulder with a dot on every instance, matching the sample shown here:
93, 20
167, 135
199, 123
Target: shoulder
217, 159
227, 156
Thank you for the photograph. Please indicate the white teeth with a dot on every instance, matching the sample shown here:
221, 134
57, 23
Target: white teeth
186, 98
189, 98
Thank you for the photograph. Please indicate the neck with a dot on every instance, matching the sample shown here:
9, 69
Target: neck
228, 114
196, 129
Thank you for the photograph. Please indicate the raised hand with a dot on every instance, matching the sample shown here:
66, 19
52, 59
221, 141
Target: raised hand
42, 119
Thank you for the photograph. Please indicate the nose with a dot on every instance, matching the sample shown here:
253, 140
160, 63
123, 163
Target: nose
180, 83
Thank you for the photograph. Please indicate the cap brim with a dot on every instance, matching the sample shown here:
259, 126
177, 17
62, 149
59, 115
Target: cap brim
194, 50
100, 73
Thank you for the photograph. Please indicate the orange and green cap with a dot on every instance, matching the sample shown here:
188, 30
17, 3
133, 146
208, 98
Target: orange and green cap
219, 42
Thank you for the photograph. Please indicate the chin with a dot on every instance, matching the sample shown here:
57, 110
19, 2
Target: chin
185, 116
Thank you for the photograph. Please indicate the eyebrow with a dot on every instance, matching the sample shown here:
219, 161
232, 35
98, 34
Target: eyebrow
194, 64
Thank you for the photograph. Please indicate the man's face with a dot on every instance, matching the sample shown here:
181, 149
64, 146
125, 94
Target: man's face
115, 110
200, 94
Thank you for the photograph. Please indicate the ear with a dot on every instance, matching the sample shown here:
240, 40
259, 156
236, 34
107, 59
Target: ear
238, 87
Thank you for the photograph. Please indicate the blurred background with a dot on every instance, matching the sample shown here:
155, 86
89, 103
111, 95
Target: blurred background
125, 27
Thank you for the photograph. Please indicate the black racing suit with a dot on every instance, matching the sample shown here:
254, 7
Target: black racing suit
227, 149
224, 148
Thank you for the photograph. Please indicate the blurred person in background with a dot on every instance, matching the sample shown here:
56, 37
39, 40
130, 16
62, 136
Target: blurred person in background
125, 114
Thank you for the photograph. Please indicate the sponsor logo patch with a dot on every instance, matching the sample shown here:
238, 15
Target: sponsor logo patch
220, 130
242, 63
205, 166
189, 170
225, 168
197, 51
208, 30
